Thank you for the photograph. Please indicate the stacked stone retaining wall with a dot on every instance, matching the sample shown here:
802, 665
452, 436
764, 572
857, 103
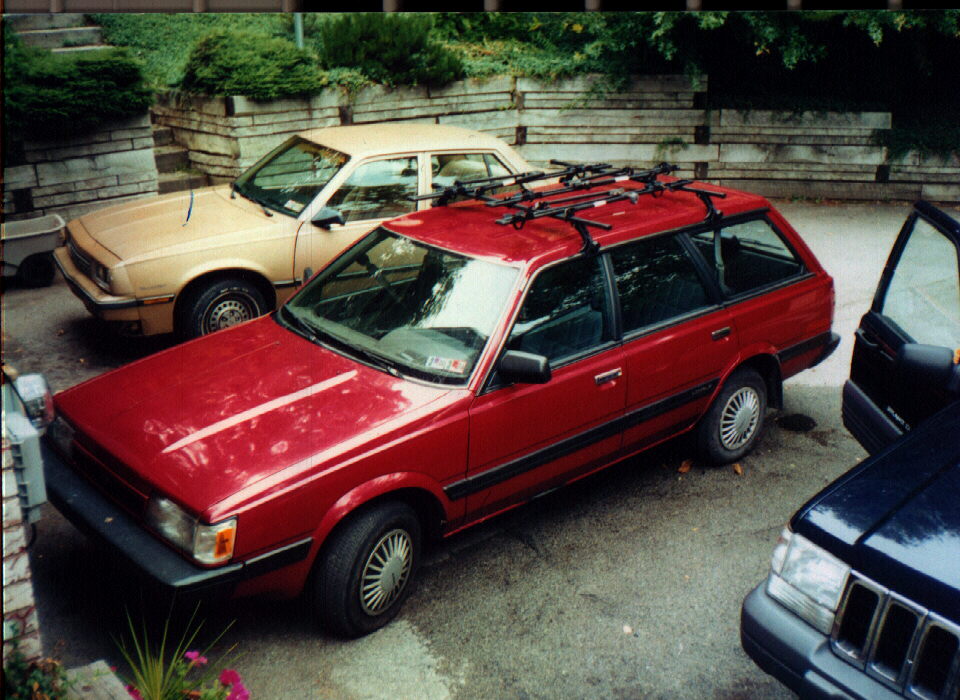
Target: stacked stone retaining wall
71, 175
20, 625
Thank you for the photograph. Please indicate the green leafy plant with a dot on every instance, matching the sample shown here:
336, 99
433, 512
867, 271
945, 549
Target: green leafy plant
164, 673
47, 93
242, 63
43, 679
393, 49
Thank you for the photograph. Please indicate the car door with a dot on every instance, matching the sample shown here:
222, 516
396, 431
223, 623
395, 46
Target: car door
372, 192
917, 301
526, 438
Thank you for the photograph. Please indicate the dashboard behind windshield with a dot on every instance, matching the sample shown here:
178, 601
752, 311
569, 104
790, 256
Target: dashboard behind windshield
426, 311
288, 178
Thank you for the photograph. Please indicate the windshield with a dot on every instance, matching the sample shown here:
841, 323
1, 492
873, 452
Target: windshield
288, 178
404, 306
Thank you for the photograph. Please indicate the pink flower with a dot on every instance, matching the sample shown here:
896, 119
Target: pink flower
230, 677
134, 693
239, 692
195, 659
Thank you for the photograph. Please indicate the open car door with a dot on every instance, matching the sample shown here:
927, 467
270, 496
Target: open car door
905, 353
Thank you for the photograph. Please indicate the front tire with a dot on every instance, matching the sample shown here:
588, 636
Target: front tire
36, 271
732, 425
219, 304
367, 569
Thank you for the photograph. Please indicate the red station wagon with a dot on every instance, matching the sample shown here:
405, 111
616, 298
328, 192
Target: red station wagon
452, 364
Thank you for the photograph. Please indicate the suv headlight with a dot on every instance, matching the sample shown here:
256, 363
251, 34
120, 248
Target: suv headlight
208, 544
807, 580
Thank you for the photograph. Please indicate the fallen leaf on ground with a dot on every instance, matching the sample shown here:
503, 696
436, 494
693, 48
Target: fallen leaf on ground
627, 629
737, 469
61, 332
685, 466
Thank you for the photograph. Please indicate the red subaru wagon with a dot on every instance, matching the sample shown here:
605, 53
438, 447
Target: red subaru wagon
452, 364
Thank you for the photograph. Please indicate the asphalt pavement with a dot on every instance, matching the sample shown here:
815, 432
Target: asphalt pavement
627, 585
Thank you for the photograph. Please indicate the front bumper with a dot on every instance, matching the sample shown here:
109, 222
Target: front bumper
87, 508
799, 656
97, 301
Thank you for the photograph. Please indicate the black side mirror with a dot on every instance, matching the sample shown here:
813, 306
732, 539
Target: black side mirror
928, 367
307, 273
326, 217
524, 367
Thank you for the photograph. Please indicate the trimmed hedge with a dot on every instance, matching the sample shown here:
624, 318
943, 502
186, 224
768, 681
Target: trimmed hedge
48, 94
393, 49
254, 65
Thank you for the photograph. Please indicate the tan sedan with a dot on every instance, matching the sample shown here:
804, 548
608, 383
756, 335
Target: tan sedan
196, 262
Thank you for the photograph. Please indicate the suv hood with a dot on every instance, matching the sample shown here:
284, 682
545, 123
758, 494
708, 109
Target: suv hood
896, 517
202, 421
134, 230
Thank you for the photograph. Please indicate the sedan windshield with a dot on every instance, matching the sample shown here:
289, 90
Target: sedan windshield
404, 306
288, 178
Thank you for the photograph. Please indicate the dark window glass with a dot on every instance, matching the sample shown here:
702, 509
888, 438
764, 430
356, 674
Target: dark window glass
747, 256
377, 190
562, 315
656, 281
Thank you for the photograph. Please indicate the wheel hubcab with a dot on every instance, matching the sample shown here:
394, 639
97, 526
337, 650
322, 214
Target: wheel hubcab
739, 419
226, 313
386, 572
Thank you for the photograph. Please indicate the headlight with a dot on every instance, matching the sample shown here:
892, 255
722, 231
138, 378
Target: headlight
61, 433
208, 544
807, 580
37, 399
101, 275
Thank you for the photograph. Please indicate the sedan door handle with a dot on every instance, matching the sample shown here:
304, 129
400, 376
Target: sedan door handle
720, 333
605, 377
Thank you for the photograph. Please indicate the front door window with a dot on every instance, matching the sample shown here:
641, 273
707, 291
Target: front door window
377, 190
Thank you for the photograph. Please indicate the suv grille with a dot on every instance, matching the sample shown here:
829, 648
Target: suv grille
894, 640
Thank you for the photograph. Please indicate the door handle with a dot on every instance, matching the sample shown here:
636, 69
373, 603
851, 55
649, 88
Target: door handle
605, 377
862, 337
720, 333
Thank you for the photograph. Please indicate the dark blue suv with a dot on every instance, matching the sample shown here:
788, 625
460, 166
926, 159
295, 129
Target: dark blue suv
863, 595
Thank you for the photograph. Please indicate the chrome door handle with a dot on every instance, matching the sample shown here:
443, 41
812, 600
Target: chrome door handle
605, 377
720, 333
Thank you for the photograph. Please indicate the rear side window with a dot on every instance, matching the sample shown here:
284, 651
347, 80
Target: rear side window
563, 314
924, 294
656, 281
747, 256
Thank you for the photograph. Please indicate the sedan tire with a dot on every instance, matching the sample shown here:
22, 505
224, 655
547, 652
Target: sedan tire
219, 304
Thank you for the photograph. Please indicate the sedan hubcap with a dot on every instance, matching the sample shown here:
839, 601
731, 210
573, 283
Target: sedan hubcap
226, 313
386, 572
739, 419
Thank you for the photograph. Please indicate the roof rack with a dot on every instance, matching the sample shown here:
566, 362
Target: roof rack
533, 204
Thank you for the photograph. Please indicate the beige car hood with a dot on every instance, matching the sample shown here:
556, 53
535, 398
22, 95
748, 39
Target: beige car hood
140, 228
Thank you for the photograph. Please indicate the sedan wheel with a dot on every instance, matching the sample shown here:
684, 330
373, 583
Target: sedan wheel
218, 304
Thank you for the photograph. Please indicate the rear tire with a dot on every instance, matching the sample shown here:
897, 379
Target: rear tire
366, 571
733, 423
219, 304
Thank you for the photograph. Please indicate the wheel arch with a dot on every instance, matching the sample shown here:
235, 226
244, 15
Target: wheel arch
255, 278
768, 367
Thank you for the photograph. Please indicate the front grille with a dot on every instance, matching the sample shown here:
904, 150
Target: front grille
898, 642
115, 486
82, 262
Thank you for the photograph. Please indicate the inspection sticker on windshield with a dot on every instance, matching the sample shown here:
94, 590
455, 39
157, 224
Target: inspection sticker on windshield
446, 364
294, 205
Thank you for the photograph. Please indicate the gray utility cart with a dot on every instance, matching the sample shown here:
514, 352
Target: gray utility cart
27, 247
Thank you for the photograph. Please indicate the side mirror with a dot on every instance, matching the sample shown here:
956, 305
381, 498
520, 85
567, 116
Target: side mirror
326, 217
307, 274
928, 367
524, 367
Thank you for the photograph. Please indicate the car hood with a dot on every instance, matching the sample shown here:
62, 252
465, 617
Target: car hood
202, 421
896, 517
138, 229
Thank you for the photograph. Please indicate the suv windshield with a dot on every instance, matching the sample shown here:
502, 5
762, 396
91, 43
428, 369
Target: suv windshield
288, 178
404, 306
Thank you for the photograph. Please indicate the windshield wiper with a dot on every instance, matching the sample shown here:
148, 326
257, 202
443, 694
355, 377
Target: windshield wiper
234, 188
308, 331
387, 365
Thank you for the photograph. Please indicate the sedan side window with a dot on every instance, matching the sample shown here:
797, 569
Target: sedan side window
563, 314
747, 256
377, 190
923, 297
656, 281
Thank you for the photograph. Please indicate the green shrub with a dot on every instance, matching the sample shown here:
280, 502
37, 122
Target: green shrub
254, 65
26, 680
47, 93
394, 49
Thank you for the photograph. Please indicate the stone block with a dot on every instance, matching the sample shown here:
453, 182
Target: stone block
937, 192
12, 515
95, 682
16, 568
473, 86
74, 169
637, 154
9, 485
17, 595
824, 189
19, 176
482, 121
14, 540
861, 120
776, 153
207, 142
